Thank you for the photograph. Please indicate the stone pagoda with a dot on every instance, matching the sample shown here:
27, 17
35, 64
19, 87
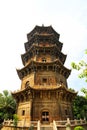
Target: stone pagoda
44, 93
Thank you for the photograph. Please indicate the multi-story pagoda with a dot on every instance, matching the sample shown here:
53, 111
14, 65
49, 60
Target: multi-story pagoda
44, 93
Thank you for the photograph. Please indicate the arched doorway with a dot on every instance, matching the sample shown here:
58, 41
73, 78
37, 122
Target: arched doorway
45, 116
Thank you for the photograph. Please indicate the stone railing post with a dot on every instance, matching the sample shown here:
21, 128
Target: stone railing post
54, 125
38, 125
75, 121
68, 124
81, 121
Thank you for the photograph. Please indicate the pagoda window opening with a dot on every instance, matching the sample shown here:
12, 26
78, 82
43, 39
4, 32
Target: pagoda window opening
23, 112
45, 116
44, 59
66, 112
44, 80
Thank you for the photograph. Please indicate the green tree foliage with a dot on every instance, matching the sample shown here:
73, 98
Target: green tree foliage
82, 67
80, 102
7, 105
80, 107
84, 90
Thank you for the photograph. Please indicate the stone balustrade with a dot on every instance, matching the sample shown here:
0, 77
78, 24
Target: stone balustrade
71, 122
57, 125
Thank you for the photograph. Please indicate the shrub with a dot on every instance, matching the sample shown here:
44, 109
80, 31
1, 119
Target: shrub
78, 128
15, 118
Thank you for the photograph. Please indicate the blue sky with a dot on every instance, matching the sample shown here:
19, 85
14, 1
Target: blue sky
19, 17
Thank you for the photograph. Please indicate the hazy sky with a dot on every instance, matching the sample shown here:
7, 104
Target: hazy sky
19, 17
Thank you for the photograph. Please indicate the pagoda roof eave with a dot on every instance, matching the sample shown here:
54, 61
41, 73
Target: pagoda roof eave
60, 87
22, 55
50, 47
41, 47
37, 38
45, 63
54, 87
19, 91
41, 63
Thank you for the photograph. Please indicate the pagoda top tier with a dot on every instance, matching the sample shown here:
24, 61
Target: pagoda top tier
42, 30
43, 34
43, 53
